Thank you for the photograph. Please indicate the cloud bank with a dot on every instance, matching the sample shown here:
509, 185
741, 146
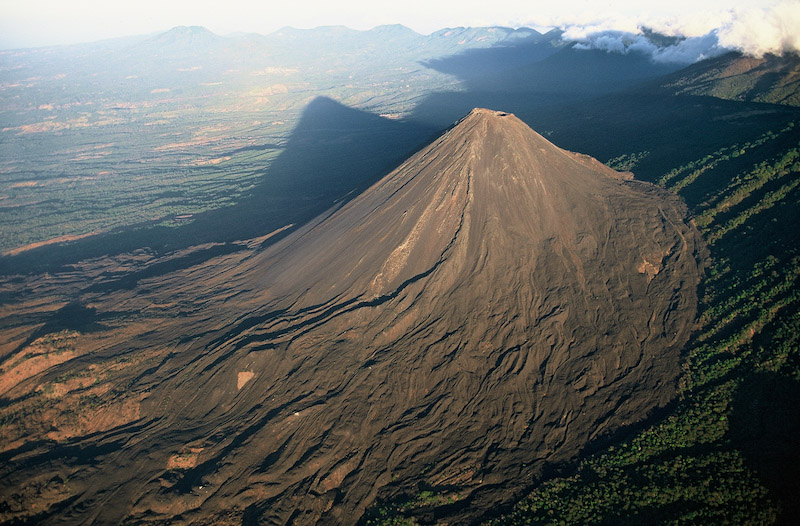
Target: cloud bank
752, 31
760, 31
681, 50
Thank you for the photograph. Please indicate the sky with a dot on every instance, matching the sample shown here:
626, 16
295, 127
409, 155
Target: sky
35, 23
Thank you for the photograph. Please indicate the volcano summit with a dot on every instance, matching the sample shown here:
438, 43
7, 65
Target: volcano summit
488, 308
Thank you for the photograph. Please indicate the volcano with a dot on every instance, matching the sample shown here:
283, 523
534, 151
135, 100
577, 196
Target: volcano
487, 309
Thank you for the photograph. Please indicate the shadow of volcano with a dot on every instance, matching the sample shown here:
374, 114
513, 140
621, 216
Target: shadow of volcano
333, 154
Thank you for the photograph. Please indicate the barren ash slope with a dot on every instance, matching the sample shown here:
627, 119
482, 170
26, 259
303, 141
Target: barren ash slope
488, 307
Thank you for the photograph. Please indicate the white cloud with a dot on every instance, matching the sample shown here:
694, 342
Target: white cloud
753, 31
685, 51
758, 31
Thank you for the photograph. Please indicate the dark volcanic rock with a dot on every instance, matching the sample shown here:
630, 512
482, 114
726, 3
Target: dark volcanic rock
490, 306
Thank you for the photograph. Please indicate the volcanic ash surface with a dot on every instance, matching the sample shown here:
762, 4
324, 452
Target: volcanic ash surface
492, 305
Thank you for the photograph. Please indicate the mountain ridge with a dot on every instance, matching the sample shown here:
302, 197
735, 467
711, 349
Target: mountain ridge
734, 76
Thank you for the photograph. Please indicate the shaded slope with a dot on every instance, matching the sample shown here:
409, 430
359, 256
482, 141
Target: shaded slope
547, 66
580, 72
487, 308
771, 78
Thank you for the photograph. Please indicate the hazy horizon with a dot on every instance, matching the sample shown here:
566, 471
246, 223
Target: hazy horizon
755, 28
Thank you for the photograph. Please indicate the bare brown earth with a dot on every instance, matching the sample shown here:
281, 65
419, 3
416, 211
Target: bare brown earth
491, 306
59, 239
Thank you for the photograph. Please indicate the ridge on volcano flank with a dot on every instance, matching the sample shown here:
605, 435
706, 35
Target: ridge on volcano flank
490, 306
